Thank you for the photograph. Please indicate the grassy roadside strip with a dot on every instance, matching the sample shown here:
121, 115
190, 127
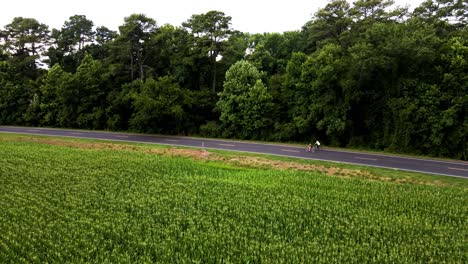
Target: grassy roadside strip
251, 160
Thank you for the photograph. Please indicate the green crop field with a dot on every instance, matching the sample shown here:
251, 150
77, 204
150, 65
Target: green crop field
77, 201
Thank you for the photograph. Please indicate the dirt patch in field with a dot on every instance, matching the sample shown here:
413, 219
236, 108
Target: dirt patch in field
81, 145
244, 161
179, 152
288, 165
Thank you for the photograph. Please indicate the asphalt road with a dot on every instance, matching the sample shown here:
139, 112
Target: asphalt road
447, 168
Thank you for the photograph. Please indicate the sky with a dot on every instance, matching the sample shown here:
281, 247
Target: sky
254, 16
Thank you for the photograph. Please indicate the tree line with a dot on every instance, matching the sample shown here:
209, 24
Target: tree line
367, 74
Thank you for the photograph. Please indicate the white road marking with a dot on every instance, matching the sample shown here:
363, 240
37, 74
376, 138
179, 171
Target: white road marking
290, 150
460, 169
33, 130
227, 145
120, 136
361, 158
76, 133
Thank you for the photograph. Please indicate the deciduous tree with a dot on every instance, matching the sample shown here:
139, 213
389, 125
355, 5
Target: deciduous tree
245, 103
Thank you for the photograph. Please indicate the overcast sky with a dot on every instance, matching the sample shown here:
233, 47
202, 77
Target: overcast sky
254, 16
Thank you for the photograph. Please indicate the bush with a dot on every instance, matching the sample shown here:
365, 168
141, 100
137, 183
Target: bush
210, 129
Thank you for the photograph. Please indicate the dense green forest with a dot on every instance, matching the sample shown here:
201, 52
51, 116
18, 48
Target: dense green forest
368, 74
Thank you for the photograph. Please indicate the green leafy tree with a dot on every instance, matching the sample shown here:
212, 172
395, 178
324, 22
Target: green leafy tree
323, 73
371, 10
78, 30
270, 52
100, 50
23, 43
373, 77
90, 82
131, 45
245, 103
120, 105
13, 96
365, 13
454, 12
50, 105
25, 39
59, 101
450, 130
70, 41
75, 99
291, 101
210, 30
158, 106
327, 25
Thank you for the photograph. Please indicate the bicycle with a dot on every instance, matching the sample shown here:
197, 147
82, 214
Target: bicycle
313, 148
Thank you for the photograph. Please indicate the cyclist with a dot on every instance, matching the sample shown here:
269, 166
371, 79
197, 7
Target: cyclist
317, 145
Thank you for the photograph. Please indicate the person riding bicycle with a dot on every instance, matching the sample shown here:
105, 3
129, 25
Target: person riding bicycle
317, 145
309, 147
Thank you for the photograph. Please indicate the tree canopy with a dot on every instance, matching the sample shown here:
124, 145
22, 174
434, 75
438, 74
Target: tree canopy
368, 74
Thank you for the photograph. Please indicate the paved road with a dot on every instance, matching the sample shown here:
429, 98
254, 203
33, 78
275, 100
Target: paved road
448, 168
